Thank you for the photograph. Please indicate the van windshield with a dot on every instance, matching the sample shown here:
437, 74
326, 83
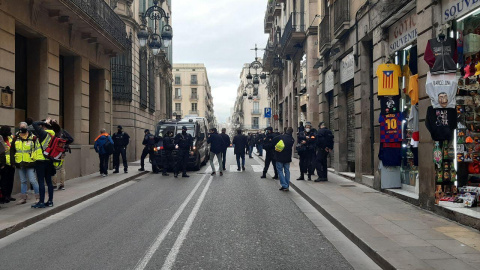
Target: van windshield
190, 129
163, 129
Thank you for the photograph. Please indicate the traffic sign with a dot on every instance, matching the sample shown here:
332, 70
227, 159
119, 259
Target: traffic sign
268, 112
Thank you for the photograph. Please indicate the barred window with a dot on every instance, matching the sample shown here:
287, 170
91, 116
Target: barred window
121, 67
143, 78
151, 85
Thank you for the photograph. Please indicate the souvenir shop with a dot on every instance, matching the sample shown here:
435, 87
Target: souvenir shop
398, 97
453, 119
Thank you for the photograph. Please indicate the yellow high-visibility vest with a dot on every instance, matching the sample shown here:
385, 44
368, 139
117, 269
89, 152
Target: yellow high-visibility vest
7, 149
24, 149
41, 146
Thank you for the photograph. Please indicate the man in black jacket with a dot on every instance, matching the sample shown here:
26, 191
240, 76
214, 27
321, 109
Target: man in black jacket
216, 148
226, 140
283, 157
251, 144
149, 142
240, 143
184, 142
120, 142
260, 137
269, 149
324, 142
306, 151
168, 147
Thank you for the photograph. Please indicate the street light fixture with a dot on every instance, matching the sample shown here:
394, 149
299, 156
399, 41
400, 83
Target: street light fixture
154, 41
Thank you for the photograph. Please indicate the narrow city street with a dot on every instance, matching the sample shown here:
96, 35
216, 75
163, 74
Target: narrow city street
237, 221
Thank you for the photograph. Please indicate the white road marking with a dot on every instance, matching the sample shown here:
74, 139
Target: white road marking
158, 241
172, 256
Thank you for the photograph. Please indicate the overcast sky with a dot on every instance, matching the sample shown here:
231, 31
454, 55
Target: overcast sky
220, 34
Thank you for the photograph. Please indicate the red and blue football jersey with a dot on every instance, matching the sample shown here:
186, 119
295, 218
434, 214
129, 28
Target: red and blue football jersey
390, 127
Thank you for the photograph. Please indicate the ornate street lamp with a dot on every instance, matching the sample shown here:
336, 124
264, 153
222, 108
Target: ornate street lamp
254, 80
154, 41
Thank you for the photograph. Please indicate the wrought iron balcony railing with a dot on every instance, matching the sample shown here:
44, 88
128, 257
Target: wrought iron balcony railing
193, 82
256, 112
341, 17
102, 14
194, 96
193, 112
177, 97
324, 31
178, 112
294, 24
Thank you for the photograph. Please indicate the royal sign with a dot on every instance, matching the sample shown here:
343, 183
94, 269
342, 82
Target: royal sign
403, 32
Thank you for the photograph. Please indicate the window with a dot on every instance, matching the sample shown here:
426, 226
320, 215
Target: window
194, 79
193, 69
256, 106
194, 107
151, 85
121, 67
178, 93
177, 79
194, 93
143, 78
255, 123
178, 107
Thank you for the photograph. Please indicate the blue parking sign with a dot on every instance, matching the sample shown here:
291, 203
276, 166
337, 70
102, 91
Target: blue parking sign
268, 112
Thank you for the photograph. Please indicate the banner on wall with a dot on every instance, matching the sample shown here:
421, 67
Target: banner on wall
329, 82
347, 68
403, 32
453, 9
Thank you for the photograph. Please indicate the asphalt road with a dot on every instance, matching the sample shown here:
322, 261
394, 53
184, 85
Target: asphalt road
237, 221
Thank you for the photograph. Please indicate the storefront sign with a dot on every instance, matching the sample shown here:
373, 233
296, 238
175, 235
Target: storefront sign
347, 68
452, 9
403, 32
329, 81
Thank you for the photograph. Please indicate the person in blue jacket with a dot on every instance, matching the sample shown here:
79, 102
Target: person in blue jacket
100, 148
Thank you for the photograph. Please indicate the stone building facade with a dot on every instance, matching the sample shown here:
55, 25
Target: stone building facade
55, 55
141, 81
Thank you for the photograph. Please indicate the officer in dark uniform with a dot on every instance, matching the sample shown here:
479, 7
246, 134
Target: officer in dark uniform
120, 142
269, 156
184, 145
168, 147
149, 142
260, 139
306, 151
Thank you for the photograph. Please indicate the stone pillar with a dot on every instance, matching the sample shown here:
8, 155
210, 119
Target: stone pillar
43, 81
100, 105
312, 78
7, 64
340, 125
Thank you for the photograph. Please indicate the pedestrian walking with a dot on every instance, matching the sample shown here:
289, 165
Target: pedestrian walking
301, 128
269, 156
168, 147
306, 152
59, 177
43, 165
283, 156
251, 144
22, 153
240, 145
226, 140
184, 146
216, 148
149, 142
104, 147
7, 165
324, 143
121, 140
260, 138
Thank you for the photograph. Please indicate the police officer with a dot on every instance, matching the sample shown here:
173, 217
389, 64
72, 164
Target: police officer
120, 142
269, 156
168, 147
324, 143
260, 139
184, 145
306, 151
149, 142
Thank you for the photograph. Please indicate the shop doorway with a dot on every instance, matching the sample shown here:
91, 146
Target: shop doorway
349, 90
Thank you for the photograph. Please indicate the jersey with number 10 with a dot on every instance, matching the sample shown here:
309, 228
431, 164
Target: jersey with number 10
390, 128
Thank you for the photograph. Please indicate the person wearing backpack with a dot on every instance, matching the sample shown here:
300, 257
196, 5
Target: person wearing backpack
60, 176
104, 147
324, 143
43, 165
22, 153
283, 157
7, 169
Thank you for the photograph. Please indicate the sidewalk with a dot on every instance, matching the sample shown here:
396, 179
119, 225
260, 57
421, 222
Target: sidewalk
395, 234
15, 217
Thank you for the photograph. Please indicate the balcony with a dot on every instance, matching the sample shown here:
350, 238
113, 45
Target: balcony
293, 35
193, 112
193, 97
178, 112
277, 67
268, 21
268, 56
341, 22
193, 82
177, 97
324, 39
256, 112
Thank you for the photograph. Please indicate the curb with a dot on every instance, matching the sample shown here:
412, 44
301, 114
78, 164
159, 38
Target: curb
55, 210
372, 254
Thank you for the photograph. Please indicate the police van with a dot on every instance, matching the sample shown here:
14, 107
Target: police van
197, 127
